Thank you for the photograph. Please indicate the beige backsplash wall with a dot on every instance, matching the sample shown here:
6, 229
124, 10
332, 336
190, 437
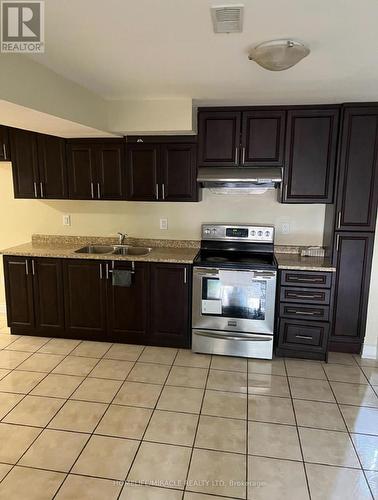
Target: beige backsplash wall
19, 219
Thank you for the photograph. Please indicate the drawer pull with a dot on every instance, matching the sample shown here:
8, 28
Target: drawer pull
312, 280
301, 296
304, 337
305, 313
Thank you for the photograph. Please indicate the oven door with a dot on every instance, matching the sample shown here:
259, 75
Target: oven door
240, 305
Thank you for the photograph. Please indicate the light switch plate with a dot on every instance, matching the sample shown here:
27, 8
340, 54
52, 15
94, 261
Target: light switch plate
66, 220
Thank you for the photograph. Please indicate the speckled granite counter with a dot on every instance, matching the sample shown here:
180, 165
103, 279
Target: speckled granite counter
295, 262
63, 247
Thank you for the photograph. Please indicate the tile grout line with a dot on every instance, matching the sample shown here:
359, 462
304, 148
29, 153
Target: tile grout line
197, 426
351, 440
48, 373
90, 435
298, 435
145, 430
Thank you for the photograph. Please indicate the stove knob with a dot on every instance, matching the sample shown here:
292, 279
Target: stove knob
214, 230
267, 233
253, 233
260, 233
207, 231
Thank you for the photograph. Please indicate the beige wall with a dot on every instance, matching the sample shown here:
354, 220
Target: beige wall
371, 338
19, 219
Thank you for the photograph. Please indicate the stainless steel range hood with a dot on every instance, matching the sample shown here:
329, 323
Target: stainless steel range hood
239, 177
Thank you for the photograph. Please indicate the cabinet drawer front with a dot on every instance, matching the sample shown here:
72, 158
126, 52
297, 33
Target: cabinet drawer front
310, 279
297, 334
304, 295
306, 312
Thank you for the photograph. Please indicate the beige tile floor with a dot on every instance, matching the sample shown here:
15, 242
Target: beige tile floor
88, 420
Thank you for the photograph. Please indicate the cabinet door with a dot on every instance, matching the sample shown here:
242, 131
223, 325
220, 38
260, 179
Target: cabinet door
4, 144
84, 297
263, 134
310, 158
128, 306
111, 171
142, 172
48, 295
24, 163
219, 138
81, 165
353, 254
19, 292
170, 295
52, 167
179, 172
357, 196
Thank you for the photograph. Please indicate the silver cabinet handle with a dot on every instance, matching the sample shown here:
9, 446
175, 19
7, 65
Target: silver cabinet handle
339, 220
305, 337
107, 271
301, 296
33, 267
35, 190
98, 191
92, 190
41, 189
337, 242
304, 313
236, 156
157, 191
27, 267
163, 191
185, 275
243, 155
100, 271
4, 151
285, 195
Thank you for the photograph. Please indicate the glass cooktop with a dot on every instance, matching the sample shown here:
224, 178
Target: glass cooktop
248, 260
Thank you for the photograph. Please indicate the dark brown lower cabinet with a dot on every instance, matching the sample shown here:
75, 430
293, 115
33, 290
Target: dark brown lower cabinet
304, 313
76, 298
170, 304
48, 295
19, 293
85, 298
352, 255
128, 307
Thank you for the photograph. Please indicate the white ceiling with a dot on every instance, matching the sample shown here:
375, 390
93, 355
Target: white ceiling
123, 49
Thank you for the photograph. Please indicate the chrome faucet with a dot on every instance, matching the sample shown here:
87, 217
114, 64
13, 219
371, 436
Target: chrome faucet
121, 238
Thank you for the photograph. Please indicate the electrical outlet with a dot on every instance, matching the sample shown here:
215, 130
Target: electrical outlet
66, 220
285, 228
163, 223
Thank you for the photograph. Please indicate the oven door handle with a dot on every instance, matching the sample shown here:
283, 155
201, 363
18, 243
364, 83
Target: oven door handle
255, 338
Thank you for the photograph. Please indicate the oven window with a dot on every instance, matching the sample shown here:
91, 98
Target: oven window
244, 302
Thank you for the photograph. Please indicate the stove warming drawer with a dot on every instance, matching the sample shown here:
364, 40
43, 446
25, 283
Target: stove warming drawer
232, 343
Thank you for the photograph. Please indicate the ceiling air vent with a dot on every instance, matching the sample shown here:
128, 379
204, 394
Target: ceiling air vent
227, 18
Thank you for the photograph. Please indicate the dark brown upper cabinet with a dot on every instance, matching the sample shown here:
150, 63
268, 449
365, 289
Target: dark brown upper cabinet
357, 196
219, 138
96, 169
263, 135
250, 137
310, 155
162, 171
352, 256
38, 163
142, 172
4, 144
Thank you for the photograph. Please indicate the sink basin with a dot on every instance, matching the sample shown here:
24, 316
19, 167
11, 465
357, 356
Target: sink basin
97, 249
127, 250
114, 250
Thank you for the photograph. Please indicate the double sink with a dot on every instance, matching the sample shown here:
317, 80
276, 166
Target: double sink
114, 250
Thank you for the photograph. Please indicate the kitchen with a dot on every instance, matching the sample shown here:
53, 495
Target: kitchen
269, 180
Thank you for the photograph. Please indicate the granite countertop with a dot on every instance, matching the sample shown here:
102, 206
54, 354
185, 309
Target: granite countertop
295, 262
170, 251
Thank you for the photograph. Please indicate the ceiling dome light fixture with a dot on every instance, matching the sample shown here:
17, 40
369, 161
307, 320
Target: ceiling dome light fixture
277, 55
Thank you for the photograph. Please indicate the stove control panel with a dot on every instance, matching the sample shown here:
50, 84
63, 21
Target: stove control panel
246, 232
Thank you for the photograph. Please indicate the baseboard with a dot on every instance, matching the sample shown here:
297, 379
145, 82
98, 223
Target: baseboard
370, 351
3, 308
